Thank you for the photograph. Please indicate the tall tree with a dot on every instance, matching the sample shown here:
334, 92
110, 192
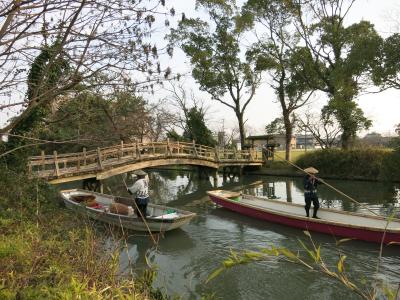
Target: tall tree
275, 52
218, 64
196, 128
190, 115
275, 127
101, 120
105, 43
341, 58
386, 70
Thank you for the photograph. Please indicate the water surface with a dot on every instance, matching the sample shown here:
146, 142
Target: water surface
186, 257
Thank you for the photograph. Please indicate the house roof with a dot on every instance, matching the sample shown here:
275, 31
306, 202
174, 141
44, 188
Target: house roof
260, 137
266, 137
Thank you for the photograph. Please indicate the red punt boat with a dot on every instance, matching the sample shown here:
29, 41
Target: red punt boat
365, 227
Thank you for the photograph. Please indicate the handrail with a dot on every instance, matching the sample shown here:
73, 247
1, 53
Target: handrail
57, 165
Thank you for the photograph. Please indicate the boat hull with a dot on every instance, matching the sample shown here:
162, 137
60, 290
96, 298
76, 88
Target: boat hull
309, 224
127, 222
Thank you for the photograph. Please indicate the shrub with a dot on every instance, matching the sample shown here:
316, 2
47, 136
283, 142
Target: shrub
391, 166
356, 163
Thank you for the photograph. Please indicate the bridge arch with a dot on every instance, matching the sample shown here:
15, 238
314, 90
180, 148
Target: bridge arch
106, 162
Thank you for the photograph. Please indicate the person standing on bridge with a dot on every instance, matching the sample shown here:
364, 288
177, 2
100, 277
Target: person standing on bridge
310, 191
140, 190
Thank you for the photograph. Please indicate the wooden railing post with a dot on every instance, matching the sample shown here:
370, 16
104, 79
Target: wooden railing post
168, 149
138, 150
43, 161
178, 147
216, 153
251, 154
99, 162
154, 148
78, 166
84, 156
56, 163
121, 150
194, 148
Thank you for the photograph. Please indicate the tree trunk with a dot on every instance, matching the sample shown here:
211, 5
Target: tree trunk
288, 135
347, 139
241, 129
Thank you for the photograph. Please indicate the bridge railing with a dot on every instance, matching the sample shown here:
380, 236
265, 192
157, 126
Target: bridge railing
56, 164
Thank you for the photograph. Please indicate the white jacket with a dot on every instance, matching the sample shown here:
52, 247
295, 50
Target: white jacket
140, 189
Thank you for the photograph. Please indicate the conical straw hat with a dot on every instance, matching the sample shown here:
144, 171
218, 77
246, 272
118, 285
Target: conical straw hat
140, 173
311, 170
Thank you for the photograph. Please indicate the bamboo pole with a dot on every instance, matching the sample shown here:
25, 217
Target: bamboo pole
141, 215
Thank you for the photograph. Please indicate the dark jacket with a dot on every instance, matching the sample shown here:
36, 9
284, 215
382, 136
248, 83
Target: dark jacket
310, 185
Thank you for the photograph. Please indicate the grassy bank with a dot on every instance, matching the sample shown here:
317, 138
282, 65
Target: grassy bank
47, 252
368, 164
359, 164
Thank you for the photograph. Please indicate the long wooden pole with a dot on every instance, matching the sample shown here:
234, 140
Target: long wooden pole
141, 215
332, 187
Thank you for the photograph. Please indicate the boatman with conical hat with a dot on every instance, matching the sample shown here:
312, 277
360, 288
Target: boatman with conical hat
140, 190
310, 191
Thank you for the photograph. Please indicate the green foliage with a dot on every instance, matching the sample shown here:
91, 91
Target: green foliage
173, 135
47, 252
311, 258
46, 71
387, 66
197, 130
122, 117
341, 55
216, 57
391, 166
275, 127
373, 163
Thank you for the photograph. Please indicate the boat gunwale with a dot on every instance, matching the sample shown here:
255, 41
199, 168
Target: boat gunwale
185, 214
313, 220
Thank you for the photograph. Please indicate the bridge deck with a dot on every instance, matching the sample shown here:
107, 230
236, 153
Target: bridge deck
105, 162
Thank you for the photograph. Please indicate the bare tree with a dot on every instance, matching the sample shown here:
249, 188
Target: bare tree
324, 128
105, 43
181, 102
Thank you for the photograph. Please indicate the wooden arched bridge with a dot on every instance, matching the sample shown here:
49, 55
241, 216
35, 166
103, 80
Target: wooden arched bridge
106, 162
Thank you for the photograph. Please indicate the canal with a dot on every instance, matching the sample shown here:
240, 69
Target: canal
186, 257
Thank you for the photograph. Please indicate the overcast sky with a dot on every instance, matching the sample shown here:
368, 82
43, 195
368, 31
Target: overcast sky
383, 108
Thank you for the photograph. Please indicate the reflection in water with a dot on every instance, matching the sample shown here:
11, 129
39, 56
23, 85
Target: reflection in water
186, 257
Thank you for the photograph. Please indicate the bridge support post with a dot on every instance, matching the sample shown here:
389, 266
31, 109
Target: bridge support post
101, 186
215, 177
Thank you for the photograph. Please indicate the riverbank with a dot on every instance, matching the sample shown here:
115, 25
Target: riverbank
47, 252
280, 171
370, 164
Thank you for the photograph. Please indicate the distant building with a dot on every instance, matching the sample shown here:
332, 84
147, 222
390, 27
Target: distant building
259, 141
307, 141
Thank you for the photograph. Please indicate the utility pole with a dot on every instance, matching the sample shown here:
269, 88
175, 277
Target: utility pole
305, 138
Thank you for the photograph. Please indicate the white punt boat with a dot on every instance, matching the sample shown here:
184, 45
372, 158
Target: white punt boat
162, 218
